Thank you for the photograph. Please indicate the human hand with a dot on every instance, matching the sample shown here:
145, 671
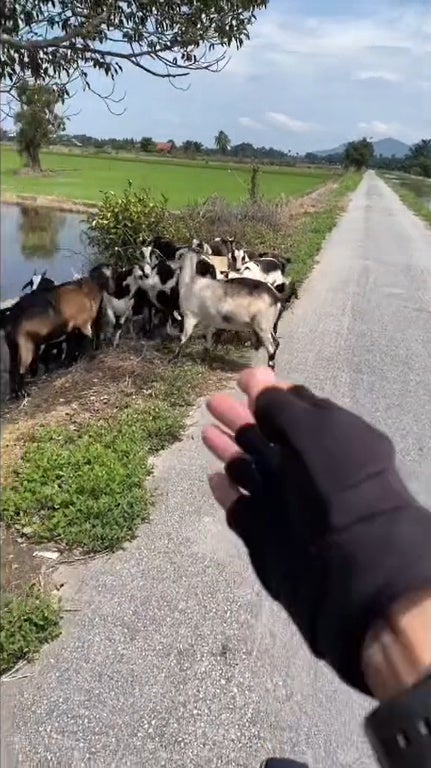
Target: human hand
313, 492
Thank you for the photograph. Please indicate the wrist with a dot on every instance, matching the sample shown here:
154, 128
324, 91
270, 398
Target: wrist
397, 650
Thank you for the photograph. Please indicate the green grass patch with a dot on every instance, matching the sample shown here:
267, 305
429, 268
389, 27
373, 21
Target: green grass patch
84, 486
307, 237
85, 177
28, 622
413, 193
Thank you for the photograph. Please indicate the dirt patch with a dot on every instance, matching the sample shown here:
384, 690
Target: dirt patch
32, 172
19, 566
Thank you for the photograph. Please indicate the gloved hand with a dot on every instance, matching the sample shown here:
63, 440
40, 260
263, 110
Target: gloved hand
331, 530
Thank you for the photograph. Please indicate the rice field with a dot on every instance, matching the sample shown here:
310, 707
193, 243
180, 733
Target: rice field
85, 177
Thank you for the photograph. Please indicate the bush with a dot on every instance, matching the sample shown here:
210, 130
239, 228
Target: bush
124, 222
28, 622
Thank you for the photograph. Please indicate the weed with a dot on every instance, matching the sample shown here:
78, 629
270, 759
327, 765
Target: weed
28, 622
84, 486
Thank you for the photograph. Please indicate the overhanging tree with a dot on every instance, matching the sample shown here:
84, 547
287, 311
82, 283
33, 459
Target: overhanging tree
37, 121
419, 158
358, 154
57, 41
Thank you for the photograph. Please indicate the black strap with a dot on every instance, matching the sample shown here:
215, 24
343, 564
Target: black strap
399, 730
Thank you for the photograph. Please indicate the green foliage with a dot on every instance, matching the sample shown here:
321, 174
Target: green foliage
27, 622
254, 182
37, 120
358, 154
192, 148
222, 142
48, 42
419, 158
85, 487
124, 222
147, 144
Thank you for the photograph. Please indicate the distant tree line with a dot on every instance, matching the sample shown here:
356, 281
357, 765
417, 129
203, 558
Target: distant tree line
357, 154
360, 154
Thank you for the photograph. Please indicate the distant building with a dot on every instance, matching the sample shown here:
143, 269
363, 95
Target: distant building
165, 147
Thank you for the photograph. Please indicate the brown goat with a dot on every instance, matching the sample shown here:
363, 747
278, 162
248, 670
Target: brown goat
49, 315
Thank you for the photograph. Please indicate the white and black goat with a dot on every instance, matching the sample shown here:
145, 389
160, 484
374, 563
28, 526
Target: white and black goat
238, 305
121, 306
161, 285
224, 252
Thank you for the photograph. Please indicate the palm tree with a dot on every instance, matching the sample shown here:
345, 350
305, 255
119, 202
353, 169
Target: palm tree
222, 142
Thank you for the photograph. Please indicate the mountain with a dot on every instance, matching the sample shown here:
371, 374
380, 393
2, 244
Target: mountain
385, 147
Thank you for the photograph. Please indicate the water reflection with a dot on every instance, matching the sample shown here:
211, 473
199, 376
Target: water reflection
420, 187
39, 229
39, 238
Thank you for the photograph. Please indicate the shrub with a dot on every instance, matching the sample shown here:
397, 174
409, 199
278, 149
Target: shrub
124, 222
27, 622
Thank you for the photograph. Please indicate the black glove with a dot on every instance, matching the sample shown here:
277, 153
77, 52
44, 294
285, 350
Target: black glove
332, 532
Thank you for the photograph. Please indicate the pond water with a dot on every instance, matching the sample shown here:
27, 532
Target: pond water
420, 187
37, 239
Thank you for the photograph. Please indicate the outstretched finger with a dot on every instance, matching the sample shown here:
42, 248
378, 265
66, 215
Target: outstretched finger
229, 412
253, 381
220, 443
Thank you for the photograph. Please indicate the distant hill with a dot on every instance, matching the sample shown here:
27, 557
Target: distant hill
385, 147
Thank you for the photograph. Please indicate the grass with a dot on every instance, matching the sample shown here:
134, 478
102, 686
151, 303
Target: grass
307, 237
405, 189
83, 177
84, 486
27, 623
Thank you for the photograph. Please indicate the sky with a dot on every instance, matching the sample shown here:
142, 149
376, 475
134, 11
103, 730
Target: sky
315, 73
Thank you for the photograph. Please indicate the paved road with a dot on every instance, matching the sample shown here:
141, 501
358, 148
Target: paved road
176, 657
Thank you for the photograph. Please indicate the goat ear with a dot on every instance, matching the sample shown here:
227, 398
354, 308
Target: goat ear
43, 273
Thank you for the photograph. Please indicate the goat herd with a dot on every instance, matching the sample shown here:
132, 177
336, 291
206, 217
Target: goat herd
220, 285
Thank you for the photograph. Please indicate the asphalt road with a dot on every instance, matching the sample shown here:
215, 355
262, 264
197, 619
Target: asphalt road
176, 656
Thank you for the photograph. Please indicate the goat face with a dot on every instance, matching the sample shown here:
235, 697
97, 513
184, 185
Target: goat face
137, 278
239, 257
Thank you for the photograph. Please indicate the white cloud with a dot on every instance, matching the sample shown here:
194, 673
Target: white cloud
295, 42
377, 128
389, 77
248, 122
289, 123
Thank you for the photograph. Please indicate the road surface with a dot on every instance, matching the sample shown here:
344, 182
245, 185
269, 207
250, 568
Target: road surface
176, 656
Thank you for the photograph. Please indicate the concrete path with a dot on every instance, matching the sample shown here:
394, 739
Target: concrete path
177, 658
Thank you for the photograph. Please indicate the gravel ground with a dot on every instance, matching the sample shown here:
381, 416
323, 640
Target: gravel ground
176, 656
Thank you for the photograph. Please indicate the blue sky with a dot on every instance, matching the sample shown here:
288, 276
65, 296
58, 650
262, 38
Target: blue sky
314, 74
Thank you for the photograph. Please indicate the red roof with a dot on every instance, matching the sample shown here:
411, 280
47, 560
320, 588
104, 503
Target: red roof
164, 146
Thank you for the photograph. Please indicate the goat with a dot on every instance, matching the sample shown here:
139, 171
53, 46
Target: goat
221, 257
54, 350
119, 307
38, 282
238, 304
161, 285
51, 313
164, 246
